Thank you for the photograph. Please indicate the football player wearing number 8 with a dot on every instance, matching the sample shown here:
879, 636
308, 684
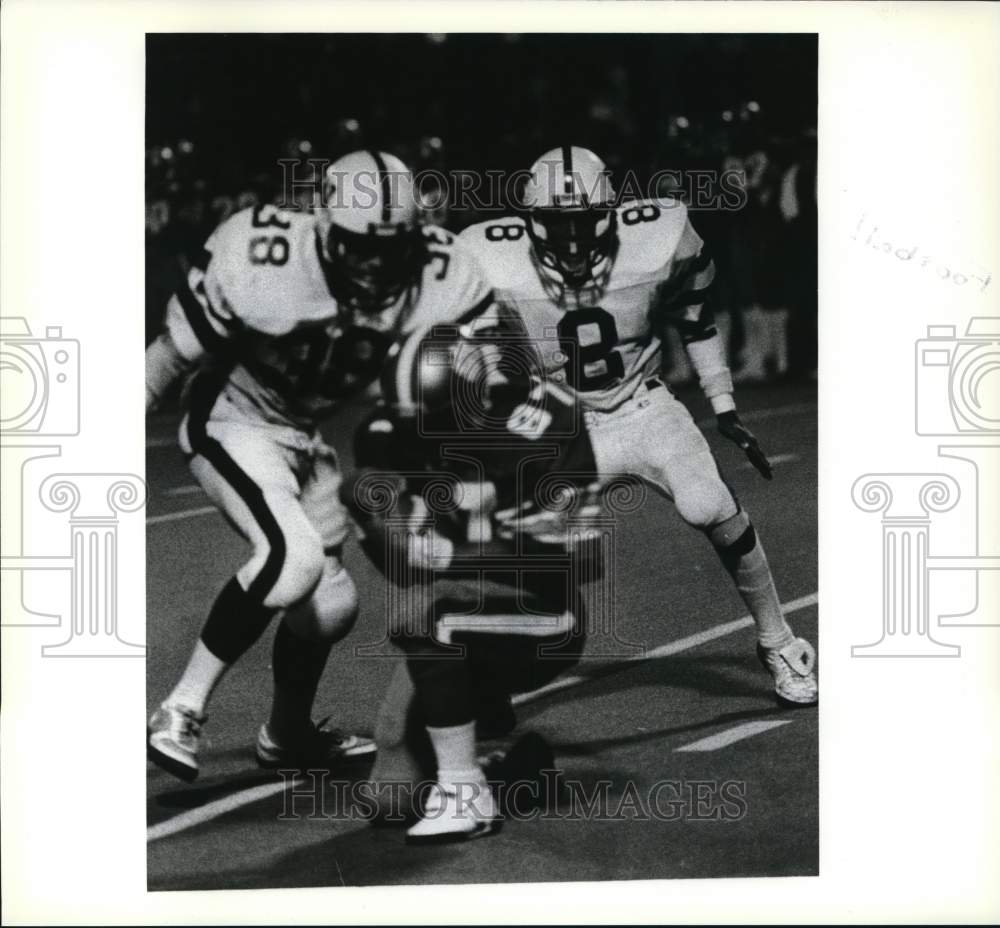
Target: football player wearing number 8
286, 314
595, 284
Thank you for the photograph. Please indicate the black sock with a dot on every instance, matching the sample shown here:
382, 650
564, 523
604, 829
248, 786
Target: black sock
298, 667
236, 621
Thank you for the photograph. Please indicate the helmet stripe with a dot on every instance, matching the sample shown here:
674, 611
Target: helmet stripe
382, 172
567, 157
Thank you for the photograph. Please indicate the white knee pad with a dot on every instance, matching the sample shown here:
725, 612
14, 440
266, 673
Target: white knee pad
329, 613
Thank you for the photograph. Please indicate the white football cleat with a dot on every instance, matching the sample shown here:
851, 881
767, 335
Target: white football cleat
456, 812
172, 740
793, 669
320, 748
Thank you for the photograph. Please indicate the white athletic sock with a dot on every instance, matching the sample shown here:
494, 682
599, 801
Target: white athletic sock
202, 674
756, 586
743, 556
455, 751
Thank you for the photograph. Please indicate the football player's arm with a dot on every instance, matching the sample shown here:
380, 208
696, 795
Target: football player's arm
688, 304
196, 326
684, 301
164, 365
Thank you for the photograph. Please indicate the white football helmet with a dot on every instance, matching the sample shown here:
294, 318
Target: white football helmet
571, 216
369, 230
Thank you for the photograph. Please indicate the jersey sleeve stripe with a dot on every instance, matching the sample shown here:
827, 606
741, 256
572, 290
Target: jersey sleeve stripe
698, 329
696, 265
698, 333
194, 312
476, 310
202, 259
694, 280
689, 298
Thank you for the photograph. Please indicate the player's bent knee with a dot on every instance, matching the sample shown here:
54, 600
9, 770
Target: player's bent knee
301, 572
705, 504
330, 612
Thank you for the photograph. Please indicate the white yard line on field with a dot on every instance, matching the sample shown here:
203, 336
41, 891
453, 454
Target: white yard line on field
672, 647
181, 514
219, 807
187, 490
732, 735
214, 809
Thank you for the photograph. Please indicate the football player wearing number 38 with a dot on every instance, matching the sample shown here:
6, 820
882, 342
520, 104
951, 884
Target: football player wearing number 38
285, 315
596, 283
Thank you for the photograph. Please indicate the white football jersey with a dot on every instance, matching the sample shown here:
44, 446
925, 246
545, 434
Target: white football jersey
604, 339
259, 309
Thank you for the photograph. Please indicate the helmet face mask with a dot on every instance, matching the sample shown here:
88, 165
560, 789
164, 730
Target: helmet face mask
370, 271
572, 241
571, 219
372, 242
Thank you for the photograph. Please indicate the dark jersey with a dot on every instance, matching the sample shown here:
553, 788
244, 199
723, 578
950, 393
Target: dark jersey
522, 486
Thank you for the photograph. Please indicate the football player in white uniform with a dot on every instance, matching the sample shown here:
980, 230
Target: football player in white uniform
595, 285
286, 314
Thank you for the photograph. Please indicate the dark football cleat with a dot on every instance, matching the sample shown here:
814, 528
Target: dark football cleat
320, 748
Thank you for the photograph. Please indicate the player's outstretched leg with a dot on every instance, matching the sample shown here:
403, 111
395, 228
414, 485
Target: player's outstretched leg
237, 619
689, 476
790, 660
302, 644
287, 566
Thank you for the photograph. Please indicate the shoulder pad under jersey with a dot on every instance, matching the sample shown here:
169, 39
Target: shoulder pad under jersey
654, 234
453, 285
503, 248
264, 270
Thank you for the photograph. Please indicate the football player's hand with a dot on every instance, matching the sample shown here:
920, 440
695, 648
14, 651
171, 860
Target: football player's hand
429, 551
730, 426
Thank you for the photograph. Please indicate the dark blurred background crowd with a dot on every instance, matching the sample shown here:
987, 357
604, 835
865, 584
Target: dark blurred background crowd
224, 110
